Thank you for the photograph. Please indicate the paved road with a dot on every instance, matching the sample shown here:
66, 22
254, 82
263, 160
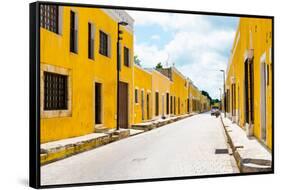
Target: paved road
184, 148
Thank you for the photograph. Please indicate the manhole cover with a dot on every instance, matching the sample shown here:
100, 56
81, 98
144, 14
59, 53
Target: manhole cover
221, 151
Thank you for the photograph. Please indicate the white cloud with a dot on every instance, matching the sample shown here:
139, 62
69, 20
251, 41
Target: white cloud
155, 37
197, 47
170, 21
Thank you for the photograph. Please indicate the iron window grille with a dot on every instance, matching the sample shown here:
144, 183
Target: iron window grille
103, 44
49, 18
55, 91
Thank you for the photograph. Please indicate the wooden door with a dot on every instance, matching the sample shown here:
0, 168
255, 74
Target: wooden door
123, 105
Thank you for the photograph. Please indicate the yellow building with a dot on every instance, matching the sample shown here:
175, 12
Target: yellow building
78, 62
160, 94
78, 69
194, 98
142, 94
178, 91
204, 103
249, 78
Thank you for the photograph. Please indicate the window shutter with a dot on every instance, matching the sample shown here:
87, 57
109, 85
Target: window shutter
60, 12
108, 45
76, 32
93, 37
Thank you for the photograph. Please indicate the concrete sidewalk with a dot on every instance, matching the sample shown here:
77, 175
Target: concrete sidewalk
57, 150
149, 125
250, 154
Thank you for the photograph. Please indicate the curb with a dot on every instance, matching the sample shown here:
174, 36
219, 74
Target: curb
158, 124
246, 165
61, 152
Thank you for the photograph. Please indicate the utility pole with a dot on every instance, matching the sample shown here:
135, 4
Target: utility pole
224, 97
220, 99
118, 67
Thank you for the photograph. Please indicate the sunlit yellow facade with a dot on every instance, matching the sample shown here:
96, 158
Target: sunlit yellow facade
204, 103
142, 94
83, 73
179, 90
160, 89
194, 98
249, 78
78, 69
185, 97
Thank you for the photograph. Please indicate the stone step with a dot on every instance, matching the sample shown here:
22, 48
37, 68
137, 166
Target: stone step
101, 130
114, 138
261, 162
251, 167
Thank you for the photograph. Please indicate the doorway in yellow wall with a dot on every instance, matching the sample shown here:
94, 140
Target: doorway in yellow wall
167, 103
123, 105
142, 105
147, 106
263, 100
98, 103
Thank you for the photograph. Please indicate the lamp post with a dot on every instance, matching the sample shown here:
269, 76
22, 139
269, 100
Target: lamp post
220, 99
224, 97
122, 23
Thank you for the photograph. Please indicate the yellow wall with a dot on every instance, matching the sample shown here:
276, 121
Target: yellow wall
204, 103
142, 82
255, 34
195, 97
160, 84
83, 73
179, 90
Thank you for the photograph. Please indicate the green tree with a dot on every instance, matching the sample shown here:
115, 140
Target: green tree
137, 60
215, 101
159, 66
205, 93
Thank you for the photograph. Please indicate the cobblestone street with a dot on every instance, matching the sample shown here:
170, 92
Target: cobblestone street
184, 148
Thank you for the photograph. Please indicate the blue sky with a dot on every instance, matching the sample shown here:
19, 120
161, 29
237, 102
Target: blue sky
198, 45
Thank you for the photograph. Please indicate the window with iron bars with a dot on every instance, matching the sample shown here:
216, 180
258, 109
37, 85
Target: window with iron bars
49, 17
55, 91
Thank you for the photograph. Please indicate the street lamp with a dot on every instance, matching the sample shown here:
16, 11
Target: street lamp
224, 97
220, 99
122, 23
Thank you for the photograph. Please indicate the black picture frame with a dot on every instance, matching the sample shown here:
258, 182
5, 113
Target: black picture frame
34, 92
